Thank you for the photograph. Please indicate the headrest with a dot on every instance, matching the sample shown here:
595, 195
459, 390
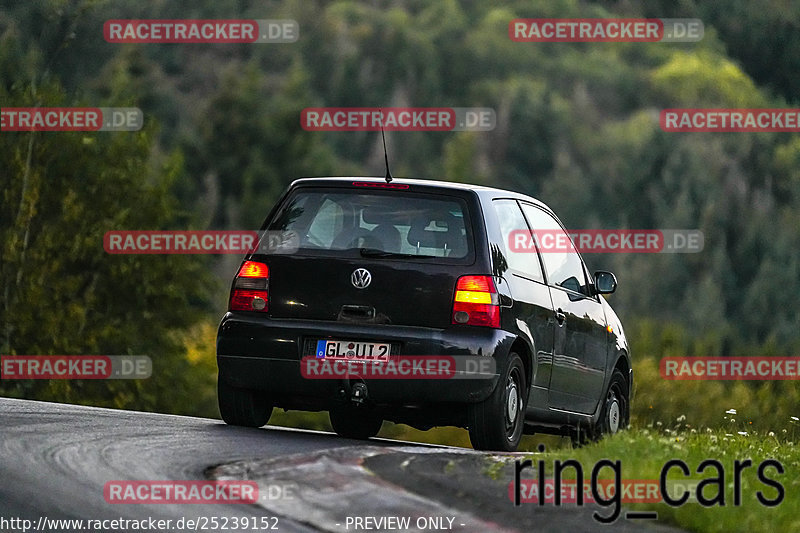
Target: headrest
434, 230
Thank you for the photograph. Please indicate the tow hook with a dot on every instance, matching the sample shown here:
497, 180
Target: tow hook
359, 393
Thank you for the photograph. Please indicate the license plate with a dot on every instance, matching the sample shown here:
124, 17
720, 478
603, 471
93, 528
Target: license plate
353, 351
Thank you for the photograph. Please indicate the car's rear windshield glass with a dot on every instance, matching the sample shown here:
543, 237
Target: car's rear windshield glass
381, 224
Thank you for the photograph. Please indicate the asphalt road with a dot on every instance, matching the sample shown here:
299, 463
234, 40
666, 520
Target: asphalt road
55, 460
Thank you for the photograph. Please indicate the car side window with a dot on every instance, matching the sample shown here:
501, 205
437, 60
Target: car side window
561, 261
521, 259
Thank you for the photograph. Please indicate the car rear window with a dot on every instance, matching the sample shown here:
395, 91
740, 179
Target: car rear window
387, 224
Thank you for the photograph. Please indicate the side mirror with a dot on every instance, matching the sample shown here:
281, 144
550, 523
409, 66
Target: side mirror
604, 282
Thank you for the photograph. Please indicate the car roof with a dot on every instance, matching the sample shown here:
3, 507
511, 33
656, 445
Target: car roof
481, 190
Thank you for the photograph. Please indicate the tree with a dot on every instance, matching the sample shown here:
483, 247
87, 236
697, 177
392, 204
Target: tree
62, 294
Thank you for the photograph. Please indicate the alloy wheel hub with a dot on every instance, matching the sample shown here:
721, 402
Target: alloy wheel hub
613, 416
512, 404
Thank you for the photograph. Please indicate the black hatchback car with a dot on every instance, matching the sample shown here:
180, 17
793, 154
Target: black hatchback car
380, 271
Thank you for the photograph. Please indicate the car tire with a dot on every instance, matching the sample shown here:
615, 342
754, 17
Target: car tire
615, 415
354, 422
497, 422
242, 407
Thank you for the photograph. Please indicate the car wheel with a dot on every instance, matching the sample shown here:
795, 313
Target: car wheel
242, 407
616, 409
354, 422
497, 422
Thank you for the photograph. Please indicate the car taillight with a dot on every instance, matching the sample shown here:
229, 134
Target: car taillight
476, 302
250, 288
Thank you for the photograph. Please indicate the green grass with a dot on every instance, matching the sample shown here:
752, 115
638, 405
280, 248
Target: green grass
643, 453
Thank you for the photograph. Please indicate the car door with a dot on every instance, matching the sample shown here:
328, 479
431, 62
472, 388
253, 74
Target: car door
521, 268
580, 341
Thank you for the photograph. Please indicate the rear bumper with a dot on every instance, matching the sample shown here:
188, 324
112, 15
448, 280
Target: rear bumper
264, 354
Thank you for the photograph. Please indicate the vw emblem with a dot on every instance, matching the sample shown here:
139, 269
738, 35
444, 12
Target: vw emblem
361, 278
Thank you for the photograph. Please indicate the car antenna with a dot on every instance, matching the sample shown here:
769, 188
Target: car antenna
388, 177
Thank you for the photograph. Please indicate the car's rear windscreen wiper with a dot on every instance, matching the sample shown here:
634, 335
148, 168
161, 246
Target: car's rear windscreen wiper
374, 252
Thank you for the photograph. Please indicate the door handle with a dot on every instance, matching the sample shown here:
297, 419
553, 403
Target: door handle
560, 317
